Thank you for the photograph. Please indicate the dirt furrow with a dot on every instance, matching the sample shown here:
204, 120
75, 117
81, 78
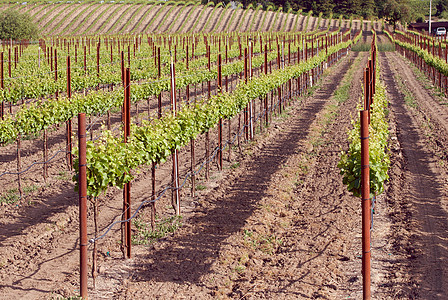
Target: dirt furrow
417, 198
431, 106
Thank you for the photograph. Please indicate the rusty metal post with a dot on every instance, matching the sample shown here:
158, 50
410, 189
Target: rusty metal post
98, 60
365, 195
122, 69
251, 104
207, 134
220, 150
159, 72
175, 194
85, 60
2, 85
82, 183
266, 115
56, 70
69, 122
127, 186
153, 167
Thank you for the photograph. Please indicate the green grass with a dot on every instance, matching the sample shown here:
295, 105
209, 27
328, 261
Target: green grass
342, 93
386, 47
200, 187
12, 196
361, 47
146, 236
235, 165
408, 96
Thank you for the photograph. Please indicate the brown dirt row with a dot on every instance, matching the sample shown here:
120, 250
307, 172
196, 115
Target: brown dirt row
124, 21
71, 17
111, 21
214, 19
225, 21
419, 192
44, 21
70, 14
201, 23
236, 21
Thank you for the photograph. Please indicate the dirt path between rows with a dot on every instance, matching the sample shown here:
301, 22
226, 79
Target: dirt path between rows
417, 198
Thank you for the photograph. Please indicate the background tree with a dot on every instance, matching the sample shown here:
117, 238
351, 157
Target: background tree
442, 8
16, 26
397, 11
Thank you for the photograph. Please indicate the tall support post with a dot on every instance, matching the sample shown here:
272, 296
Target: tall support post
175, 195
251, 104
365, 195
127, 186
98, 60
220, 120
159, 72
266, 115
193, 161
122, 68
207, 134
56, 70
82, 191
2, 86
246, 79
69, 122
85, 60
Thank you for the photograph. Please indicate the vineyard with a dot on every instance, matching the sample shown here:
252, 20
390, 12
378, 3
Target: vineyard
173, 150
131, 17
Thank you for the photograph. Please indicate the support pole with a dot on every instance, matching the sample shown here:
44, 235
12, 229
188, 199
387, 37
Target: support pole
365, 195
175, 195
127, 186
82, 204
220, 120
69, 122
2, 86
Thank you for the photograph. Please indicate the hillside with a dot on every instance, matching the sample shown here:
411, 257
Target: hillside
63, 18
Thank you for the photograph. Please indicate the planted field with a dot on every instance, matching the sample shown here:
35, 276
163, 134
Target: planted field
223, 164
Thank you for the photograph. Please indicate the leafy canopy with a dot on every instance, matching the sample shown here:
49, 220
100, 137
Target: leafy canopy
16, 26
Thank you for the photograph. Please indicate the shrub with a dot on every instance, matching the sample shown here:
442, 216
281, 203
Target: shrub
16, 26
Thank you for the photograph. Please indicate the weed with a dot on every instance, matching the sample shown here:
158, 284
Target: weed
247, 233
386, 47
240, 269
30, 189
62, 175
408, 96
235, 165
11, 196
361, 47
343, 92
200, 187
66, 298
146, 236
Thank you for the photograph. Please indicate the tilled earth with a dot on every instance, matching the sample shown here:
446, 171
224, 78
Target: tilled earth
279, 223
